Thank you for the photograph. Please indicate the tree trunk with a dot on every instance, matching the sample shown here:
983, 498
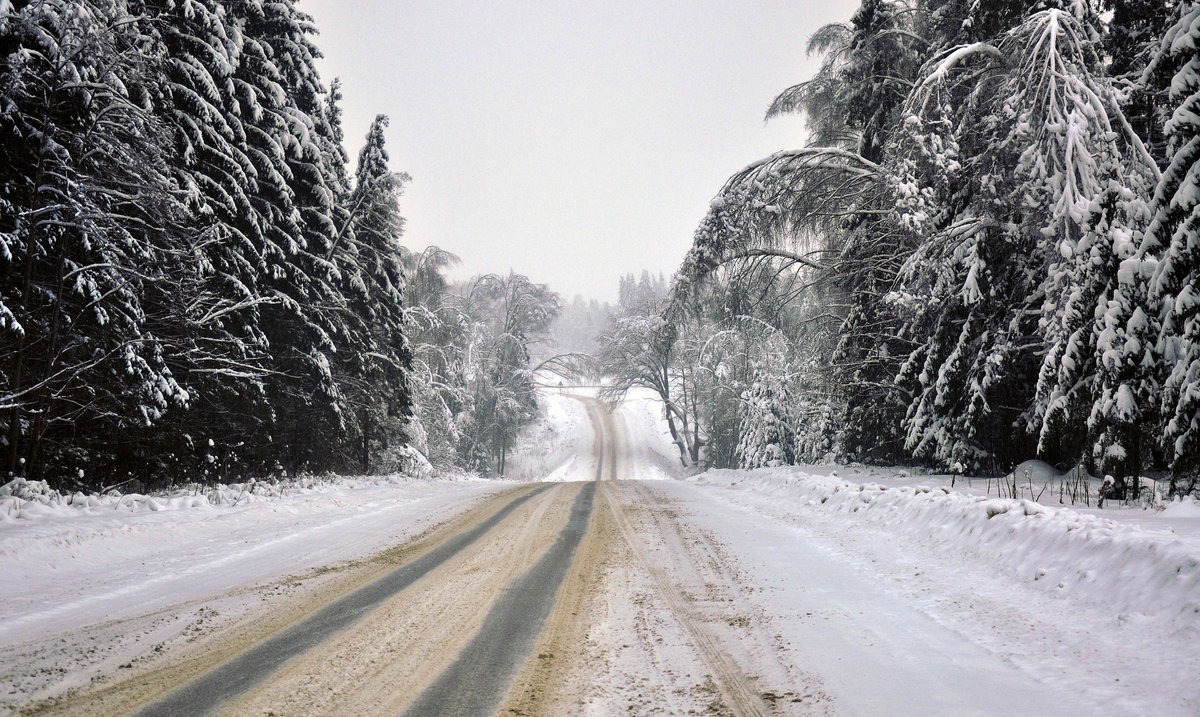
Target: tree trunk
695, 411
679, 442
365, 458
664, 392
1135, 461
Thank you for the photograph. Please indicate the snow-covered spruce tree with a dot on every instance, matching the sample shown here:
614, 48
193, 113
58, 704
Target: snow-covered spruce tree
277, 91
176, 191
1099, 362
376, 360
87, 217
1094, 299
254, 153
226, 359
1132, 37
1176, 228
1007, 279
767, 430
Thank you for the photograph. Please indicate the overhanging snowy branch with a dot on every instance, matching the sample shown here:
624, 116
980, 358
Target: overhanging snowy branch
769, 203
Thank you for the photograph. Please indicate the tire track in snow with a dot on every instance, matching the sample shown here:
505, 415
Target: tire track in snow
737, 690
604, 435
477, 682
207, 693
380, 665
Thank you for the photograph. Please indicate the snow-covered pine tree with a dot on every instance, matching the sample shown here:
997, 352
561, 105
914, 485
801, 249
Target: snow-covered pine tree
87, 214
246, 108
1176, 228
377, 360
1002, 283
1131, 39
894, 42
1099, 174
1095, 381
224, 346
330, 136
278, 76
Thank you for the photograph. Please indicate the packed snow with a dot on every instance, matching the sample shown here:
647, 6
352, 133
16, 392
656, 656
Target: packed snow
559, 446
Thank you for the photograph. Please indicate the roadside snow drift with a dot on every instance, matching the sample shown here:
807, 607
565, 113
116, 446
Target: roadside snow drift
1128, 569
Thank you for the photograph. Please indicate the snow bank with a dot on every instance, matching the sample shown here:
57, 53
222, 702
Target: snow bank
1128, 569
22, 499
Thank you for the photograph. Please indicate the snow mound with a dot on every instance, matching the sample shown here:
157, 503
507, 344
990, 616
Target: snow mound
1186, 507
1128, 569
1035, 470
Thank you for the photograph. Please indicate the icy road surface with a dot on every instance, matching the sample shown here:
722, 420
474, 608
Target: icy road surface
616, 588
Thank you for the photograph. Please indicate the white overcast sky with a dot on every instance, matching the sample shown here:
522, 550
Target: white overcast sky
569, 141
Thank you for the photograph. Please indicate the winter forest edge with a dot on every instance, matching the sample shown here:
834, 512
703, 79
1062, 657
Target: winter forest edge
195, 288
989, 250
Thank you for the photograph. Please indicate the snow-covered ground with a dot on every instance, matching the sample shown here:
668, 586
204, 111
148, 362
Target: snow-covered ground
873, 591
651, 454
861, 590
63, 567
950, 603
558, 443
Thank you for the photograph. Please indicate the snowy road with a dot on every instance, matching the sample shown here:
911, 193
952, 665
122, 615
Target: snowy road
620, 589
